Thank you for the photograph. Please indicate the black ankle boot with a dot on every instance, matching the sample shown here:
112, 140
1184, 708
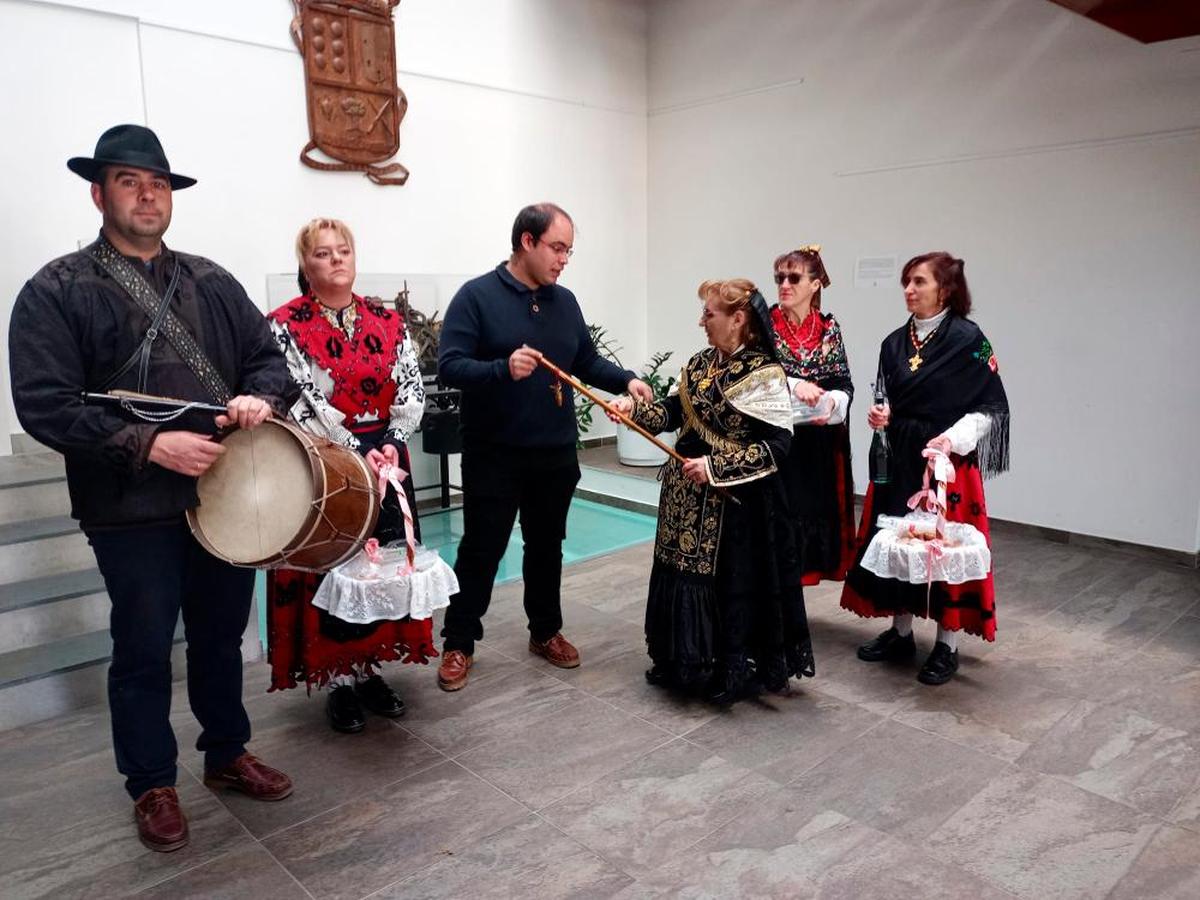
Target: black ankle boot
344, 711
379, 698
941, 665
888, 646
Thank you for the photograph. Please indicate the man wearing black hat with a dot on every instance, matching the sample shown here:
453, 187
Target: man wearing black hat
127, 312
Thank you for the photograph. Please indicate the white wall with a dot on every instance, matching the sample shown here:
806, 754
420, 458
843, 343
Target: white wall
517, 101
1060, 159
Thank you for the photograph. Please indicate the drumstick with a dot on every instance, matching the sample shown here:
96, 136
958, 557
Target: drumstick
625, 420
121, 397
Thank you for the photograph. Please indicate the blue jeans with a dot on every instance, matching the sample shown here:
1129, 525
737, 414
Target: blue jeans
152, 573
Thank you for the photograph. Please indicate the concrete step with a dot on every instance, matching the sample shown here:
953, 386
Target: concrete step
50, 608
35, 548
23, 444
78, 682
33, 486
36, 501
39, 500
31, 468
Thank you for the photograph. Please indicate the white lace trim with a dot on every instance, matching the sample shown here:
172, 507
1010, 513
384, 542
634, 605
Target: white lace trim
362, 591
893, 553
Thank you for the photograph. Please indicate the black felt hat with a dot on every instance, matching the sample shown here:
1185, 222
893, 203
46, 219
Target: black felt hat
128, 145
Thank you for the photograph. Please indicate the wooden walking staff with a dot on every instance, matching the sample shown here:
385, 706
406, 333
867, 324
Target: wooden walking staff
625, 420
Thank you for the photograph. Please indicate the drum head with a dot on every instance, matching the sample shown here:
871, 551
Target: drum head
256, 498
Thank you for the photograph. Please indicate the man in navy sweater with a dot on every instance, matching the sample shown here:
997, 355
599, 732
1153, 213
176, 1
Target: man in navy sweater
519, 432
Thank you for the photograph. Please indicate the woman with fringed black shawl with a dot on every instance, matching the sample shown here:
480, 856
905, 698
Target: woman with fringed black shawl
944, 391
808, 342
725, 609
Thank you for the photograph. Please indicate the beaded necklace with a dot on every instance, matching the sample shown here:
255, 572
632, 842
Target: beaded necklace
914, 361
793, 335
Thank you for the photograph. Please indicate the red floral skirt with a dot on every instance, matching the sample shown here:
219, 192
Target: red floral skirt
307, 645
969, 607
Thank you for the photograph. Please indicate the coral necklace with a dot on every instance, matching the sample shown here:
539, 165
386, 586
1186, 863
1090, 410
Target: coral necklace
808, 340
914, 361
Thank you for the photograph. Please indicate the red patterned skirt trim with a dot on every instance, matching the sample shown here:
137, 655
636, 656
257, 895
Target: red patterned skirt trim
969, 607
307, 645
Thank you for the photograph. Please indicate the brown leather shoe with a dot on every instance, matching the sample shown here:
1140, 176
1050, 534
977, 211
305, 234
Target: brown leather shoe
160, 822
454, 669
557, 651
252, 777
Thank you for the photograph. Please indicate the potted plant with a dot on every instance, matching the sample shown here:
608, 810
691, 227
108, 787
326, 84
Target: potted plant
632, 448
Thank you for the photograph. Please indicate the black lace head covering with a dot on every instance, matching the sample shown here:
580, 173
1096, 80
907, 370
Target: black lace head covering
762, 317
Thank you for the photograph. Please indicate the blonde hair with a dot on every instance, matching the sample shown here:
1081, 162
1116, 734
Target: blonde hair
307, 238
730, 296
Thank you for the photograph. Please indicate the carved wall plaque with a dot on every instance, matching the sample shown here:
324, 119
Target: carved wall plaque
354, 103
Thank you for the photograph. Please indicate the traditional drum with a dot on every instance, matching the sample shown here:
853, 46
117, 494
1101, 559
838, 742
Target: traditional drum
280, 497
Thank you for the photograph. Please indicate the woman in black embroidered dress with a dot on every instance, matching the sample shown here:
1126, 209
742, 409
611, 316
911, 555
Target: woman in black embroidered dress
725, 613
809, 346
944, 392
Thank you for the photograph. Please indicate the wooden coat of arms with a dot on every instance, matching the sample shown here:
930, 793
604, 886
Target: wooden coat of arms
354, 103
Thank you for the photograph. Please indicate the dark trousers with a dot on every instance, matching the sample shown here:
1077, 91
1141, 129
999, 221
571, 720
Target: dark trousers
498, 483
152, 573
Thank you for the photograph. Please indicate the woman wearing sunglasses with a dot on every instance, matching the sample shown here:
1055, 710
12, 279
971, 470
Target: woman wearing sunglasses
808, 342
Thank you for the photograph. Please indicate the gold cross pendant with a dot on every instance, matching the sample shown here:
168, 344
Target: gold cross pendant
556, 387
914, 361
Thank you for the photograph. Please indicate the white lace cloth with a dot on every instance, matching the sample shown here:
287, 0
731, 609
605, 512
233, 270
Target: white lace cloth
901, 550
362, 591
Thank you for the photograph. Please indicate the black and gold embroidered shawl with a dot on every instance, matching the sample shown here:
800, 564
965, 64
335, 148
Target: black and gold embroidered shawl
736, 412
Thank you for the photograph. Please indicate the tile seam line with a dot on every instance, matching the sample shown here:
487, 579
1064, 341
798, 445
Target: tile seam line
212, 795
359, 796
625, 712
602, 775
1064, 780
438, 858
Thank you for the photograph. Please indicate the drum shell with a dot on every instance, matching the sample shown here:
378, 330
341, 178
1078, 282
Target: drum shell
341, 516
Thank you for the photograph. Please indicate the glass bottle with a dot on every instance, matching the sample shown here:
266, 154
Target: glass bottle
880, 458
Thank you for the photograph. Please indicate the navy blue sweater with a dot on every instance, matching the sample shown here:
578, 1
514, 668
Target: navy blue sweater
489, 318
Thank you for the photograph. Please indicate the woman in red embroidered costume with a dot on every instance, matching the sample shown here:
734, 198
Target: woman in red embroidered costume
361, 387
944, 391
808, 342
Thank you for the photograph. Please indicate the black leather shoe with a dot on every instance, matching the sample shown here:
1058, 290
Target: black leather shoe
344, 711
941, 665
888, 646
379, 698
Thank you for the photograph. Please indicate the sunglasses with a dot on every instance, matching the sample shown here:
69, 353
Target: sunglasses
789, 277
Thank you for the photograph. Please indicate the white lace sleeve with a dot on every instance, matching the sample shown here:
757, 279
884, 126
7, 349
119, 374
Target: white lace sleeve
409, 405
312, 411
965, 433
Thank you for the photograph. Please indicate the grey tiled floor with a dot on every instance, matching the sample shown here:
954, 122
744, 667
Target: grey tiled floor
1064, 761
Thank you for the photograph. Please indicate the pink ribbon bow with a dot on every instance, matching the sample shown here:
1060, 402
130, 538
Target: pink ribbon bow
938, 471
394, 475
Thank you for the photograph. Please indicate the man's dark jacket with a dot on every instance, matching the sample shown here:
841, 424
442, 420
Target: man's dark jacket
73, 327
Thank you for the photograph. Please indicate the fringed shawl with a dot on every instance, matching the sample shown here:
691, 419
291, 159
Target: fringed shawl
958, 374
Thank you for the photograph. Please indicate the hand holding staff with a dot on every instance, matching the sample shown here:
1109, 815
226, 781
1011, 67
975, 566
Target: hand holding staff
617, 415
